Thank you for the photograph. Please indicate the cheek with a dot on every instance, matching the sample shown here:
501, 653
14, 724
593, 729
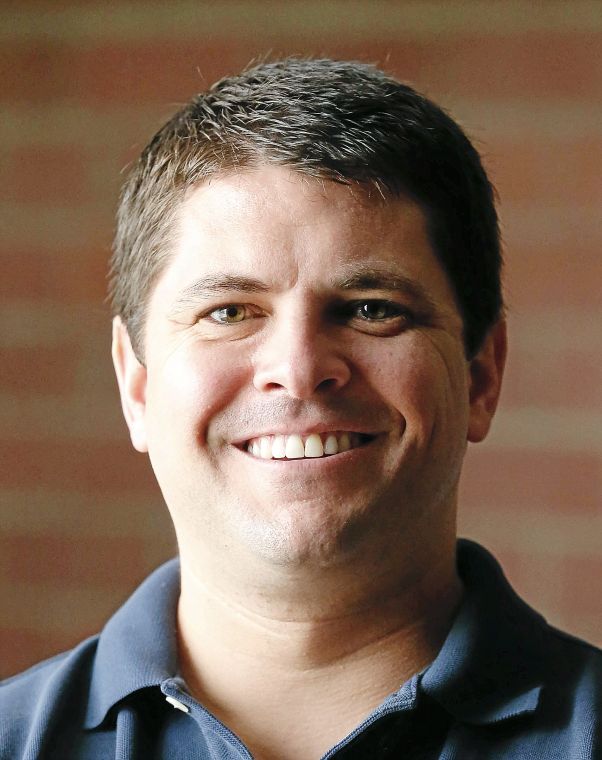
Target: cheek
423, 379
191, 387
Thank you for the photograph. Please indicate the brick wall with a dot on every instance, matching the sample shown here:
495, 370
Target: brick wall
83, 86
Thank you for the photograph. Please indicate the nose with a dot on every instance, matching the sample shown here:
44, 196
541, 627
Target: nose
298, 358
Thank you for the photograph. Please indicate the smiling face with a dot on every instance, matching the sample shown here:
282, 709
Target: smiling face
306, 395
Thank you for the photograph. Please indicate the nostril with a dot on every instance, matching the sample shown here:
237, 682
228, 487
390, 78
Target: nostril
273, 386
328, 384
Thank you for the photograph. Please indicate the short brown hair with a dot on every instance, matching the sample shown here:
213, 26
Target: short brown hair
342, 121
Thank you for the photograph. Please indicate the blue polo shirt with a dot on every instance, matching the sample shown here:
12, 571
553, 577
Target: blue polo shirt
504, 685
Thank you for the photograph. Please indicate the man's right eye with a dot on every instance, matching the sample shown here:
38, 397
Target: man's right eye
229, 315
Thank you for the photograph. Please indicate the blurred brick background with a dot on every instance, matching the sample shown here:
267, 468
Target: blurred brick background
84, 85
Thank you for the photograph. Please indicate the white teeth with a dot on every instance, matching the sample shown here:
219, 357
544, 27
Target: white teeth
265, 447
344, 442
313, 446
279, 447
294, 447
331, 445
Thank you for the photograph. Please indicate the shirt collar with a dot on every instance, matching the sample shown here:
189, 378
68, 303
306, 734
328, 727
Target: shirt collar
491, 665
138, 646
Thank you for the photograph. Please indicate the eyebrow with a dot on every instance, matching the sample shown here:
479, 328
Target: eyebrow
371, 278
364, 278
215, 284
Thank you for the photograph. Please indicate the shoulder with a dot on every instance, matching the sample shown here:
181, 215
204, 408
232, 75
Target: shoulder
52, 705
568, 719
27, 685
575, 669
513, 648
30, 702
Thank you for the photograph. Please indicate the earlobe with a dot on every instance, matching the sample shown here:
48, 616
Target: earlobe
485, 382
131, 378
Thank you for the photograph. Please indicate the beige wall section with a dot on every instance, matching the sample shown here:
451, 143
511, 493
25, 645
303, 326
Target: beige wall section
85, 84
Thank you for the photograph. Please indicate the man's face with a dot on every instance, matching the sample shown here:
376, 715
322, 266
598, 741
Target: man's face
297, 316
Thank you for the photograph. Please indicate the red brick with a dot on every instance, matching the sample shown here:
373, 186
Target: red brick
551, 273
75, 466
38, 173
532, 481
63, 276
570, 379
582, 577
43, 370
117, 72
534, 65
529, 65
22, 648
547, 171
72, 560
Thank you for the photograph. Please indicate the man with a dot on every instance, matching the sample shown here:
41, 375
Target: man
308, 331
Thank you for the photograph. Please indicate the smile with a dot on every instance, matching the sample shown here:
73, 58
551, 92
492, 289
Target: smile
311, 446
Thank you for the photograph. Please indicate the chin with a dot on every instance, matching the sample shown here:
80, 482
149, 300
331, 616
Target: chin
303, 534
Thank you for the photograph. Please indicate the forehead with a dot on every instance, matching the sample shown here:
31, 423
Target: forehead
283, 226
275, 200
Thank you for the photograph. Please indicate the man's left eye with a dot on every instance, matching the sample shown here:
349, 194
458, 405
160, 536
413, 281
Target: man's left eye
376, 310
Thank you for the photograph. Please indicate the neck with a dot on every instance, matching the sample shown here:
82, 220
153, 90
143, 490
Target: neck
263, 647
308, 638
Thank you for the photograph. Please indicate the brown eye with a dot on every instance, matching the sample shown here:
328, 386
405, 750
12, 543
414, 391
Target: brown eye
229, 315
376, 310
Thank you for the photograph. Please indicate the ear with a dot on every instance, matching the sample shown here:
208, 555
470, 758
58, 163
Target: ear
131, 378
485, 381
